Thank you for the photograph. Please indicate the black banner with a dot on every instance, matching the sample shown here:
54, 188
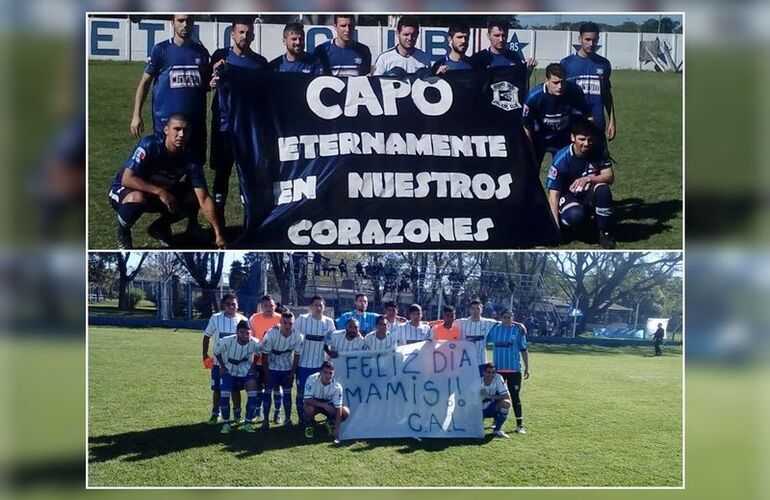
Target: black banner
386, 163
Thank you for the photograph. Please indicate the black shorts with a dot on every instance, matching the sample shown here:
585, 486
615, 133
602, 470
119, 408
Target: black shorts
586, 199
154, 205
221, 156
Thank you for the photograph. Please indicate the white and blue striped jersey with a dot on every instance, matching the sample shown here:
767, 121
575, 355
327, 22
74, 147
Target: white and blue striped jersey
476, 331
238, 358
331, 393
409, 334
279, 349
373, 343
391, 59
392, 326
338, 341
496, 388
221, 326
507, 344
315, 333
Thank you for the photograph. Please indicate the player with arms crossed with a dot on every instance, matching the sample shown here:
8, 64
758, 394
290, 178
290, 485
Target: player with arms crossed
405, 58
222, 324
238, 365
577, 186
509, 347
495, 400
280, 350
342, 55
323, 395
162, 176
315, 329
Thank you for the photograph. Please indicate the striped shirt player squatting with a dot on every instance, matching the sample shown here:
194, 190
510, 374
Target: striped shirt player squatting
323, 395
222, 324
475, 329
238, 365
495, 399
280, 350
509, 347
315, 329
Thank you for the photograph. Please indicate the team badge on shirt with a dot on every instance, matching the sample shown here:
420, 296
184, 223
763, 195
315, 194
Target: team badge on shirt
139, 154
553, 173
505, 96
358, 60
599, 71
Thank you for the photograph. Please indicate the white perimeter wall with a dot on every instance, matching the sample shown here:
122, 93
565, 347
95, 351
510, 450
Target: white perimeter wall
122, 40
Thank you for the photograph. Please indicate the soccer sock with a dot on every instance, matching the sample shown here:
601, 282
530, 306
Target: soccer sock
603, 202
237, 412
266, 404
500, 417
277, 398
129, 213
517, 407
251, 405
300, 407
260, 396
215, 412
224, 405
221, 186
287, 404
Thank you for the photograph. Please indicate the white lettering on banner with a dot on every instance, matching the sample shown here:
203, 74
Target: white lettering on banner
423, 184
311, 146
359, 92
295, 190
347, 232
426, 389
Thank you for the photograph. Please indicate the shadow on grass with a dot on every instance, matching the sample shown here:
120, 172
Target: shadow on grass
411, 445
184, 241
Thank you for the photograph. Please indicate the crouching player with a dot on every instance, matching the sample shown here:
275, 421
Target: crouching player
237, 367
495, 399
323, 395
579, 183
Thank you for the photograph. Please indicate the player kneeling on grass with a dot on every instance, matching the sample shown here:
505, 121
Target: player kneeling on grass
323, 395
238, 368
579, 184
162, 176
495, 399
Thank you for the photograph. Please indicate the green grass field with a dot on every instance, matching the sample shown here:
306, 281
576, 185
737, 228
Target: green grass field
648, 151
595, 417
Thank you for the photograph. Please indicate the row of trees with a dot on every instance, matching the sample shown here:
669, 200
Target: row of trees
592, 280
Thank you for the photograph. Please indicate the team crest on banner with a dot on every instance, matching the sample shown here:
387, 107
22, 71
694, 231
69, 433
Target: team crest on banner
505, 96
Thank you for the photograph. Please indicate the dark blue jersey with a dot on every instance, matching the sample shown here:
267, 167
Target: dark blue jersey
355, 60
180, 81
306, 63
220, 103
592, 74
152, 163
548, 116
486, 59
463, 63
567, 167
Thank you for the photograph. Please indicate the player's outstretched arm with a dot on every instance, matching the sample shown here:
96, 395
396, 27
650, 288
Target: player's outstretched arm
137, 124
209, 211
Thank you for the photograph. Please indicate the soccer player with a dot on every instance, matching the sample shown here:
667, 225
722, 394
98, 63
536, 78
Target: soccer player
280, 349
365, 319
261, 323
178, 70
509, 348
222, 324
237, 355
342, 55
447, 329
295, 59
380, 339
495, 399
405, 58
239, 54
315, 329
549, 111
457, 36
349, 339
591, 72
162, 176
475, 329
323, 395
392, 319
413, 331
576, 185
499, 52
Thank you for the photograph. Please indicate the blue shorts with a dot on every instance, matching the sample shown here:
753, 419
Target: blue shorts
302, 376
278, 378
231, 383
491, 410
215, 380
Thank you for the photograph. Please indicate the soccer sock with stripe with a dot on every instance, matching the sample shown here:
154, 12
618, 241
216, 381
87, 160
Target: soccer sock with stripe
603, 202
260, 397
224, 405
277, 398
500, 417
300, 407
266, 404
129, 213
251, 405
287, 403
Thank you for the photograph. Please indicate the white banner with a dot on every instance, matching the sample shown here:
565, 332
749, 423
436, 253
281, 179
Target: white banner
426, 389
652, 325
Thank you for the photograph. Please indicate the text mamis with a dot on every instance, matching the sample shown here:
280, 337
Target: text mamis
359, 92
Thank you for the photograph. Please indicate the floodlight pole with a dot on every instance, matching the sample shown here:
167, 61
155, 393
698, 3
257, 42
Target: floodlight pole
574, 314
